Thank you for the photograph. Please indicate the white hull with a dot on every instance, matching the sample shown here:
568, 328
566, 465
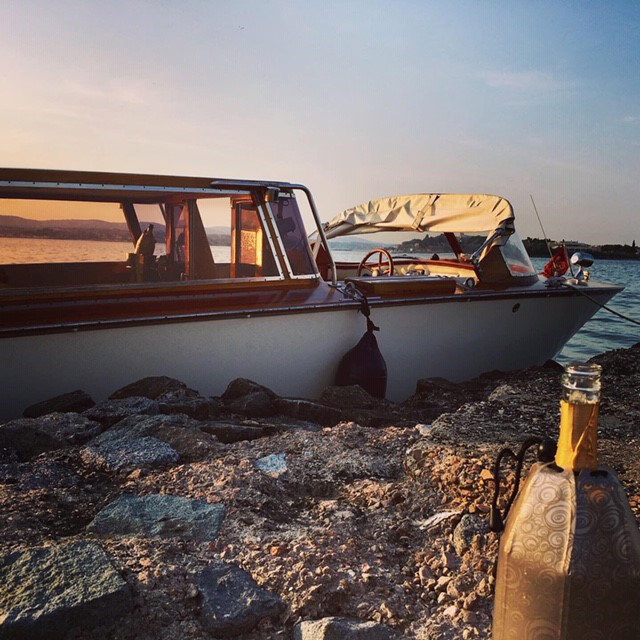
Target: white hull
295, 354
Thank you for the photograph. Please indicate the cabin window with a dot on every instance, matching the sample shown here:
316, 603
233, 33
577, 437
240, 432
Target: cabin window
83, 243
239, 244
292, 234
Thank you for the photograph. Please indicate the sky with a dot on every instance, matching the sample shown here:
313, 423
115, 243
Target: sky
357, 100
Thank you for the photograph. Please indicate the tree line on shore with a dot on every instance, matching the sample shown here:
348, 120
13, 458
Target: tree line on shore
536, 247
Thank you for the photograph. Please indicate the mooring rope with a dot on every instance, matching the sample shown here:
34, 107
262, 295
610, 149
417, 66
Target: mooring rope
603, 306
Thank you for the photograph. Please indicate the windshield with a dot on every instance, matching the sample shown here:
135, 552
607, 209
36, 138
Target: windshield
516, 257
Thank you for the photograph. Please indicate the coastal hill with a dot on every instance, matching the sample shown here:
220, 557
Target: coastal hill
536, 247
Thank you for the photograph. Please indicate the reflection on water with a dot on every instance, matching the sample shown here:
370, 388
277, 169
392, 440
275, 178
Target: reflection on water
26, 250
603, 332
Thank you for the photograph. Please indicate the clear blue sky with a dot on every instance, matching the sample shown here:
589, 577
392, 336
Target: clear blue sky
356, 99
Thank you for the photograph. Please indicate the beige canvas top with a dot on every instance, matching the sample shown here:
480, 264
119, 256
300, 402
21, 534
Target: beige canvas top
441, 212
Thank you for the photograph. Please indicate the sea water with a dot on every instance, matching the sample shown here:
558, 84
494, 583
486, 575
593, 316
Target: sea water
603, 332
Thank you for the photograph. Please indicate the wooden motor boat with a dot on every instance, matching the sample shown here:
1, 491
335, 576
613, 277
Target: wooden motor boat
279, 310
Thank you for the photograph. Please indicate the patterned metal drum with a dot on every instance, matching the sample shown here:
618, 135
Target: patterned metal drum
569, 560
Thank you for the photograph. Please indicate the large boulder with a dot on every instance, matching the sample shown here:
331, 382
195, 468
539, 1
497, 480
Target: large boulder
249, 398
232, 603
126, 454
342, 629
309, 410
350, 397
109, 412
241, 387
159, 515
47, 591
151, 387
190, 403
71, 428
73, 402
21, 439
120, 447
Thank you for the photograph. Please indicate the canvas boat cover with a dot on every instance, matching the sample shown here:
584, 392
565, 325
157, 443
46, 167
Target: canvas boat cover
438, 212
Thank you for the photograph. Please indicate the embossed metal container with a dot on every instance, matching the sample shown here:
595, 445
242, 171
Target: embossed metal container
569, 559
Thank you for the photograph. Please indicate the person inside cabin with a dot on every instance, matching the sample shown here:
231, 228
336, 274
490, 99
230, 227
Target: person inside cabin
145, 248
146, 244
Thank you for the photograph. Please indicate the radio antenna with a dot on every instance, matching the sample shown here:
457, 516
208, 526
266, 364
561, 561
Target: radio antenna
544, 233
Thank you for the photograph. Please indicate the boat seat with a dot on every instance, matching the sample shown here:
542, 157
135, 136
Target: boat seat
395, 285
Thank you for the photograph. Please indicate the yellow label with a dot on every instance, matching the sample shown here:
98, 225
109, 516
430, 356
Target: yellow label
578, 436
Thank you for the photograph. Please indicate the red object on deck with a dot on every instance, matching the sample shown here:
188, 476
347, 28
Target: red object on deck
558, 265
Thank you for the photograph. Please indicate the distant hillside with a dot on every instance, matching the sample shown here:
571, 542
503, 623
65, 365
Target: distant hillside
430, 244
537, 248
72, 229
351, 244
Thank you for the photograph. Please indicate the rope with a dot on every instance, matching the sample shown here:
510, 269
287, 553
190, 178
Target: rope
350, 290
603, 306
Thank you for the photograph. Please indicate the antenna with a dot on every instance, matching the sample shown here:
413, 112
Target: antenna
544, 233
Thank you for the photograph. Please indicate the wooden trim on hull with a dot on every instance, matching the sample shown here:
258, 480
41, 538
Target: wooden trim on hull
21, 318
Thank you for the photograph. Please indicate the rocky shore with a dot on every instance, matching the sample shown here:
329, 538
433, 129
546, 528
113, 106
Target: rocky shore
161, 513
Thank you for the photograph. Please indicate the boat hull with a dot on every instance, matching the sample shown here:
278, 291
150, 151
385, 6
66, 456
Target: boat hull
296, 353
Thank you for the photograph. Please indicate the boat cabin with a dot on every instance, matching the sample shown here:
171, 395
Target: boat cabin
199, 234
258, 229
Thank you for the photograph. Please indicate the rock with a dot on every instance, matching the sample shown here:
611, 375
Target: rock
109, 412
274, 465
253, 405
468, 527
125, 454
191, 445
159, 515
503, 392
241, 387
179, 435
232, 603
230, 432
151, 387
451, 611
437, 519
47, 591
45, 474
22, 438
343, 629
191, 404
349, 397
309, 410
249, 398
71, 428
74, 402
147, 425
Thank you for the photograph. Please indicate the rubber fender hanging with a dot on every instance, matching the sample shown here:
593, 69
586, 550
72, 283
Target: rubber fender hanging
364, 365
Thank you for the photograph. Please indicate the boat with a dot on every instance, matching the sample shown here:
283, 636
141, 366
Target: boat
278, 308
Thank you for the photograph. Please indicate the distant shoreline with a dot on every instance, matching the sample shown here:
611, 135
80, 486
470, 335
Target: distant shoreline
536, 248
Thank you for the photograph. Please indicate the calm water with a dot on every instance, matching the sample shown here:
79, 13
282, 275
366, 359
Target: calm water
603, 332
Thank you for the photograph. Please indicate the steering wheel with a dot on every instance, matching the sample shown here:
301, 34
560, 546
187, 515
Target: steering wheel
383, 254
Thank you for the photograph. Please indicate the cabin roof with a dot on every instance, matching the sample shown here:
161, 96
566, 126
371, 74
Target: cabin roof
96, 185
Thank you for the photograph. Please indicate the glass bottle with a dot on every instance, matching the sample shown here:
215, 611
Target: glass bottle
579, 408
